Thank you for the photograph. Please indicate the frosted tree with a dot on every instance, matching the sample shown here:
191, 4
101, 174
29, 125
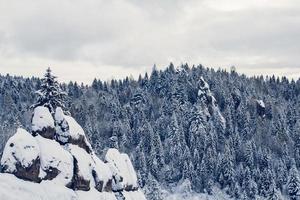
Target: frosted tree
293, 185
266, 182
281, 174
153, 190
156, 155
274, 193
249, 185
50, 95
297, 143
249, 154
227, 171
141, 165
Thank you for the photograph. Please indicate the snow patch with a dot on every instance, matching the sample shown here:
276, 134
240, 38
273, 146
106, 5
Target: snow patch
261, 103
12, 188
134, 195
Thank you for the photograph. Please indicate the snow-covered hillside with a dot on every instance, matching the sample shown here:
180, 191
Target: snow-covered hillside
56, 161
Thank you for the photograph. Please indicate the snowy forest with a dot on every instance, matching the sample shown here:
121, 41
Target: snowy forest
187, 125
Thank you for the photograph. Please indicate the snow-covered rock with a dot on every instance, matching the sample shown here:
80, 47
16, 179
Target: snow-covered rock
56, 162
261, 107
102, 175
209, 103
261, 103
69, 131
205, 93
21, 156
65, 162
62, 126
82, 168
43, 123
122, 169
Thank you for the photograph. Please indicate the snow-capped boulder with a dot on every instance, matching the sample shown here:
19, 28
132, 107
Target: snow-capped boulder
21, 156
56, 162
83, 163
122, 169
43, 123
102, 175
69, 131
77, 135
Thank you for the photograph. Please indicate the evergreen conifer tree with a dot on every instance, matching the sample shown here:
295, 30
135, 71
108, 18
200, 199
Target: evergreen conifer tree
293, 185
50, 95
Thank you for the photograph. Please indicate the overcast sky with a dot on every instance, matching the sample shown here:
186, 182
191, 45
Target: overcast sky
83, 39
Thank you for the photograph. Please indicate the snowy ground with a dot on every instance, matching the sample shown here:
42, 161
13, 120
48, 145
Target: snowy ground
217, 195
12, 188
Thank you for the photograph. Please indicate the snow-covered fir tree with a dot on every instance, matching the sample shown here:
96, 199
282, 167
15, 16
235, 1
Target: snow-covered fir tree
50, 93
293, 185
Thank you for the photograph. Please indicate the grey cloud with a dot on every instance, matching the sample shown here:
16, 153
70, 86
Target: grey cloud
132, 34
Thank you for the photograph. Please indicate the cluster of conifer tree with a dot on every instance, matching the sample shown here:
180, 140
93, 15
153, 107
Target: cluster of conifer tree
209, 128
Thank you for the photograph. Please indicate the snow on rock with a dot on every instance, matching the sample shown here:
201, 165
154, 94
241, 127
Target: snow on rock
61, 165
82, 167
43, 123
12, 188
62, 126
21, 156
132, 182
260, 107
205, 93
77, 135
76, 130
122, 170
69, 131
102, 175
261, 103
56, 162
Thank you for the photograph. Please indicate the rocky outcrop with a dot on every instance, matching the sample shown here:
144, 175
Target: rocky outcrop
57, 150
260, 107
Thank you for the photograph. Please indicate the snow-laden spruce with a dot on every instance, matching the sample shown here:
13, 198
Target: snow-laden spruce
64, 159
